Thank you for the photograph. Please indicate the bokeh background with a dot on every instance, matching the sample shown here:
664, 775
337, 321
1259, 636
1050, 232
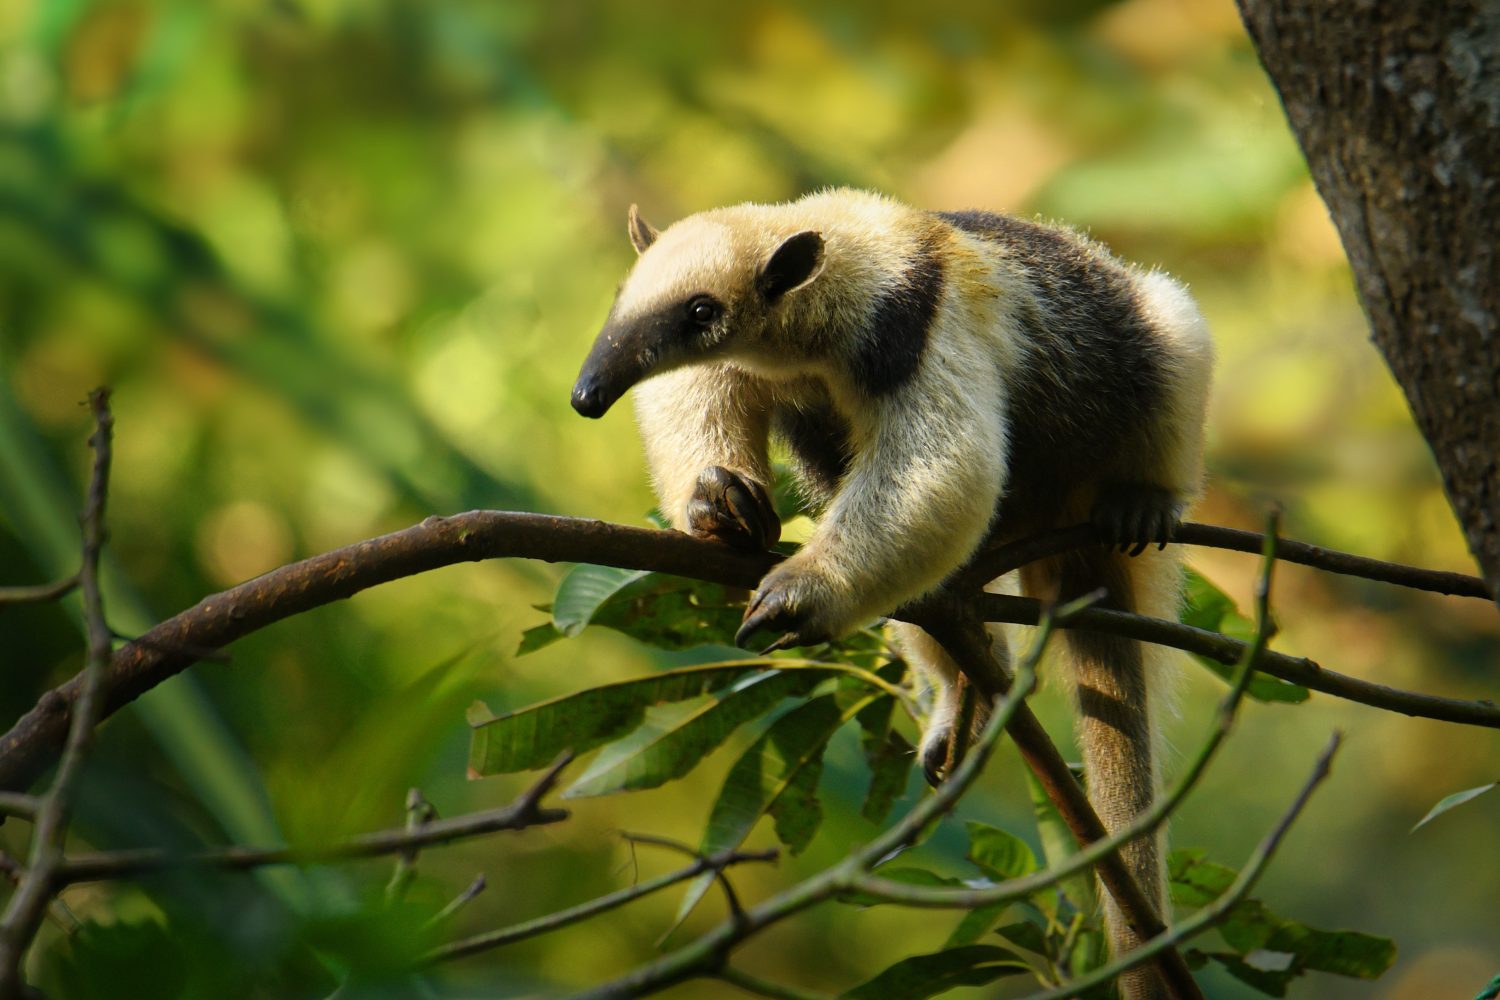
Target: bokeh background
339, 261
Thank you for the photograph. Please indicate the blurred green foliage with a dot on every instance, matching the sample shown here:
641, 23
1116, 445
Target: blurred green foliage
340, 259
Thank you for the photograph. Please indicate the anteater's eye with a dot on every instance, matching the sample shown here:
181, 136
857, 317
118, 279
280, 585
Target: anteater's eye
703, 310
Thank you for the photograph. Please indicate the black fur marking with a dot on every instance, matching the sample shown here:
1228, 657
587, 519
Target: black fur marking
887, 354
1094, 378
818, 436
793, 263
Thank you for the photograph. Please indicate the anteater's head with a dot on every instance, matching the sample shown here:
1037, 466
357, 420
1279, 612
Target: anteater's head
705, 287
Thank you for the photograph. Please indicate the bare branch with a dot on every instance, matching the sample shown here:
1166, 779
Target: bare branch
217, 620
1002, 559
715, 863
1296, 669
523, 813
458, 902
419, 812
17, 804
28, 905
38, 593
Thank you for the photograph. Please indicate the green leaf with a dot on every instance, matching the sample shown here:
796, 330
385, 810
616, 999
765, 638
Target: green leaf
1002, 855
796, 811
1207, 607
1194, 881
769, 768
890, 769
1025, 934
584, 590
924, 976
533, 737
1249, 926
1088, 952
768, 771
1272, 982
889, 755
669, 612
1342, 953
1452, 801
538, 637
671, 752
976, 924
1272, 950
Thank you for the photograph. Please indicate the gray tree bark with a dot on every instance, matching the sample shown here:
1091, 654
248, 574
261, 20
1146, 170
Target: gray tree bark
1396, 104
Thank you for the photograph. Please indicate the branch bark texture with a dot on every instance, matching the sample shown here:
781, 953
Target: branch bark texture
1397, 109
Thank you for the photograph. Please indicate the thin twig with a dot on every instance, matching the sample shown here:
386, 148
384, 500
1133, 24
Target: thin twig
1003, 559
38, 593
63, 917
419, 812
572, 915
17, 804
523, 813
1294, 669
28, 905
457, 902
731, 898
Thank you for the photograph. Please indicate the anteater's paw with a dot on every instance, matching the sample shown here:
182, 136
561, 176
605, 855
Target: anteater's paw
790, 601
730, 508
934, 751
1131, 516
940, 750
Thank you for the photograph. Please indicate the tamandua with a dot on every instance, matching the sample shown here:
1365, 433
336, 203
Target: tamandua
939, 378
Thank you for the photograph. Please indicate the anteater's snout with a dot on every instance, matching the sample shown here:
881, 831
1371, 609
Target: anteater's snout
590, 397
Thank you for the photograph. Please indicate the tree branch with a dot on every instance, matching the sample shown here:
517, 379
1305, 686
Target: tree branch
38, 593
18, 804
28, 905
219, 619
1296, 669
525, 812
999, 560
715, 863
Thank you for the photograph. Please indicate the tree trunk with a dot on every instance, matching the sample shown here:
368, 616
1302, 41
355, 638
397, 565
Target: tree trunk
1397, 108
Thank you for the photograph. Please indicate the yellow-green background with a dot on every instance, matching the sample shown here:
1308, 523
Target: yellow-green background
339, 261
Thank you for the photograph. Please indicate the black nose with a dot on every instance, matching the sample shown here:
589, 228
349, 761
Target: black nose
589, 398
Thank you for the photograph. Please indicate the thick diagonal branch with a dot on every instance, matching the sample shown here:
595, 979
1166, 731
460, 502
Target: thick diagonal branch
174, 645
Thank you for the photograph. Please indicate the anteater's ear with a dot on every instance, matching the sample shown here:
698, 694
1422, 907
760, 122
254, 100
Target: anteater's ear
642, 233
794, 263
